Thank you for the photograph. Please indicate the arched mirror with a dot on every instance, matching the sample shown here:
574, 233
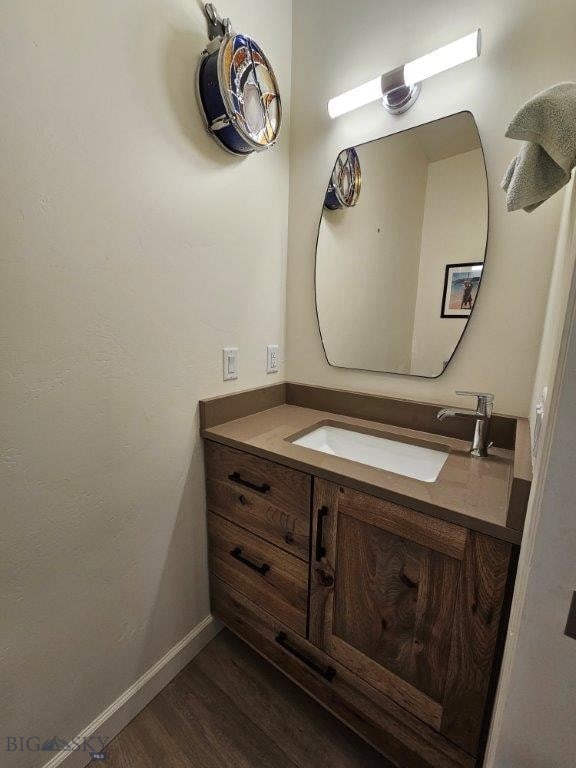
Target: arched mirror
398, 273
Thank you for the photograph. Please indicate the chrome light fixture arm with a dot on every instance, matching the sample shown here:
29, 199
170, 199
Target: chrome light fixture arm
398, 95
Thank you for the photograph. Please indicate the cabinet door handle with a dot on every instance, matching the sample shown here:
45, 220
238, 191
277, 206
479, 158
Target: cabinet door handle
236, 478
328, 673
320, 548
237, 555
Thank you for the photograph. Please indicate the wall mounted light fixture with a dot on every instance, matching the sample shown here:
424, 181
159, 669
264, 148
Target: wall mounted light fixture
400, 88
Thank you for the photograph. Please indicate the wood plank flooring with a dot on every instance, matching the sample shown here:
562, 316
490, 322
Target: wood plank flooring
231, 709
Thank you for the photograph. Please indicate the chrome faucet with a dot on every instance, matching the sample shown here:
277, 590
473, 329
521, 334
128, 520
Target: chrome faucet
483, 415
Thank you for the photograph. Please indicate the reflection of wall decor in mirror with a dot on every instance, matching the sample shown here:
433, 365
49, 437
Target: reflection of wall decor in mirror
381, 266
461, 283
237, 90
345, 183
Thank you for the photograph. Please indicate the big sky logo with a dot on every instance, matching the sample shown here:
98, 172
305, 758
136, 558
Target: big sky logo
92, 744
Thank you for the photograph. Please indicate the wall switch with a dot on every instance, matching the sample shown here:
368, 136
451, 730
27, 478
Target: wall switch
272, 358
230, 363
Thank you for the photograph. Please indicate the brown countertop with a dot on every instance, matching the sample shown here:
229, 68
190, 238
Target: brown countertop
480, 494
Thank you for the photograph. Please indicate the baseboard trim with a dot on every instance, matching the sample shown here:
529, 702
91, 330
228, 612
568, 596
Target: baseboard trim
117, 716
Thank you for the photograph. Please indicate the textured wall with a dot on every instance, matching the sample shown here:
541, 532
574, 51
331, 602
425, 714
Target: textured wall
527, 47
132, 249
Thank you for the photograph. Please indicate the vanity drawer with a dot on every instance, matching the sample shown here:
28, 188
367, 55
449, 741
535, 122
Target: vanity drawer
400, 736
275, 580
268, 499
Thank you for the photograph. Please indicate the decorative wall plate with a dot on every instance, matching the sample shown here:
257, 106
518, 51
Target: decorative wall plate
237, 90
345, 182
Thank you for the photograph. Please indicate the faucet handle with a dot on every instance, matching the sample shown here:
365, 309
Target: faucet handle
487, 397
485, 400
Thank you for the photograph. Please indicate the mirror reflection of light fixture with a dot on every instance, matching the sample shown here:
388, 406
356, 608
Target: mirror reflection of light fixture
400, 88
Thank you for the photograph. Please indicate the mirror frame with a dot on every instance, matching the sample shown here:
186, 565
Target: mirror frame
363, 144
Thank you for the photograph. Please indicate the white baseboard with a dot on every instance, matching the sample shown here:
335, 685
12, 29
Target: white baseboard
117, 716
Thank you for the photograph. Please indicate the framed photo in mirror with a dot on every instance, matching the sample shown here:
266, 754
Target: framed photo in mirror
461, 284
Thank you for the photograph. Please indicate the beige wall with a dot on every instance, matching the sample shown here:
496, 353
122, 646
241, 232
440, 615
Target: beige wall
557, 299
534, 716
500, 350
368, 258
454, 231
133, 249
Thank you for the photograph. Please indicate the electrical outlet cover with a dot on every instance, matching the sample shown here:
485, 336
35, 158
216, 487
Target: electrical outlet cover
272, 358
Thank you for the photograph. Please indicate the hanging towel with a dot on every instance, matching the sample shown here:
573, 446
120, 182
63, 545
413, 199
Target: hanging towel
547, 123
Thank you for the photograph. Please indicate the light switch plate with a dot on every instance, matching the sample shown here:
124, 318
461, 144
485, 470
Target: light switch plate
272, 358
230, 363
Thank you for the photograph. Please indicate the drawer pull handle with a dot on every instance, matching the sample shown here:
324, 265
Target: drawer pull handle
235, 477
262, 569
320, 548
328, 673
242, 499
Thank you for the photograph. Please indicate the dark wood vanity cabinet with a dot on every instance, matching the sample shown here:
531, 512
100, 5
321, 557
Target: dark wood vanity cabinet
389, 617
409, 603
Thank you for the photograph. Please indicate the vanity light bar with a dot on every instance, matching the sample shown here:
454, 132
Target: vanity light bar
408, 76
459, 52
357, 97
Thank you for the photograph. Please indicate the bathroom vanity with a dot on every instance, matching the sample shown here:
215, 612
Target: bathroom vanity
382, 595
354, 541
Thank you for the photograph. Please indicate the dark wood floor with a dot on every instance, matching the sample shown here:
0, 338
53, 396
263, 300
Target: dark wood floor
231, 709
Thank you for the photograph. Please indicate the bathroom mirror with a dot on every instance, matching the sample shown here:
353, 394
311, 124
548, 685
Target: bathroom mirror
398, 273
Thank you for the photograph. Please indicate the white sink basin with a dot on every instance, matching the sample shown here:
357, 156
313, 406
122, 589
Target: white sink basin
392, 455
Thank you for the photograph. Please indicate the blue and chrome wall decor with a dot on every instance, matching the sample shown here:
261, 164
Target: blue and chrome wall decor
237, 90
346, 181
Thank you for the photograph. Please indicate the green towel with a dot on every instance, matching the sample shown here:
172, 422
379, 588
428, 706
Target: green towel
547, 123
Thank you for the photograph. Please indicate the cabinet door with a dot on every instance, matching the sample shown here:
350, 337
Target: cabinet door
410, 603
